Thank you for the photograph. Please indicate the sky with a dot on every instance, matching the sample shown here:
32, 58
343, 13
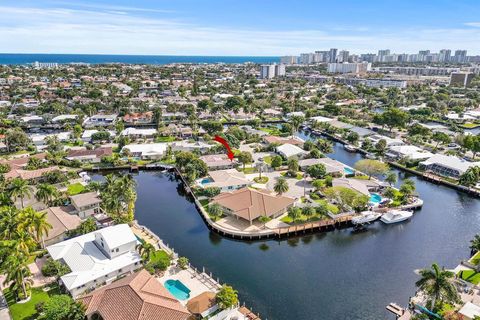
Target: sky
237, 27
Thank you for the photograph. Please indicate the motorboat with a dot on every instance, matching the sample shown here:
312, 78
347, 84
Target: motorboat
394, 216
350, 147
366, 217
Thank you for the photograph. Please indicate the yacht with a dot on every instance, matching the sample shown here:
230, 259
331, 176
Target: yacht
366, 217
394, 216
350, 147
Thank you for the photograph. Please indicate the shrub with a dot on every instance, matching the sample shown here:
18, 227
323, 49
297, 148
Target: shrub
182, 263
53, 268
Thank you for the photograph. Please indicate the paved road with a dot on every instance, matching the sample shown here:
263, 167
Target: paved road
4, 313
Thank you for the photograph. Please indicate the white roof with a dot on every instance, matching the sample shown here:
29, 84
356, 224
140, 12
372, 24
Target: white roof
390, 142
321, 119
456, 116
64, 117
30, 118
150, 148
289, 150
117, 235
470, 310
87, 261
451, 162
412, 152
135, 131
89, 133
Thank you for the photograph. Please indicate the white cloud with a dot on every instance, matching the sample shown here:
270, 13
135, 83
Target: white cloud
473, 24
121, 30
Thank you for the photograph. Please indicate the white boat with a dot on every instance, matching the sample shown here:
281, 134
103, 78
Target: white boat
394, 216
366, 217
371, 156
350, 147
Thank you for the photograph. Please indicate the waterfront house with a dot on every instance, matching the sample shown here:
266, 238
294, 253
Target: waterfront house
97, 258
218, 162
280, 140
360, 185
86, 204
87, 134
390, 142
448, 166
150, 151
250, 204
288, 150
226, 180
89, 156
332, 166
203, 305
140, 117
134, 133
100, 120
178, 130
65, 118
139, 296
408, 152
62, 220
32, 175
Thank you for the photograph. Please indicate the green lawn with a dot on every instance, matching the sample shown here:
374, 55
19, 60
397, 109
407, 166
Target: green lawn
267, 160
272, 131
298, 177
261, 180
470, 125
302, 219
475, 259
27, 310
75, 188
331, 207
204, 202
470, 276
247, 170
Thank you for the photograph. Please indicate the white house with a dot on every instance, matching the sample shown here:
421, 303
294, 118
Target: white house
226, 180
288, 150
135, 133
191, 146
100, 120
448, 166
97, 258
147, 151
64, 117
408, 152
390, 142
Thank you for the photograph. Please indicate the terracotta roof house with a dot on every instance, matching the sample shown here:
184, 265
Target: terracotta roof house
62, 219
145, 117
218, 162
138, 296
280, 140
203, 304
92, 156
29, 174
226, 180
250, 204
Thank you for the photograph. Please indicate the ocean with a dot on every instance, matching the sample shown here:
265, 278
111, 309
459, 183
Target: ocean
27, 58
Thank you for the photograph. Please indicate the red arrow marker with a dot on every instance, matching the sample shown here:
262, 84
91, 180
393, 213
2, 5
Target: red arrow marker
225, 144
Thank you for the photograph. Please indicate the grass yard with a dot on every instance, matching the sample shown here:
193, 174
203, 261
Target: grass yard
75, 188
475, 259
302, 219
331, 207
247, 170
261, 180
165, 139
267, 160
298, 177
272, 131
470, 276
21, 311
470, 125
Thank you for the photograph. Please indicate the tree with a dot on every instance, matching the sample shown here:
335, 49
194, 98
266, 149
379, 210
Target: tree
19, 188
472, 143
324, 146
296, 122
470, 177
63, 307
46, 193
371, 167
381, 147
54, 268
407, 189
475, 244
317, 171
211, 192
391, 178
16, 139
145, 249
276, 161
245, 157
440, 138
315, 154
227, 297
86, 226
182, 263
36, 224
437, 284
215, 211
308, 211
292, 167
294, 213
353, 137
394, 117
17, 273
281, 186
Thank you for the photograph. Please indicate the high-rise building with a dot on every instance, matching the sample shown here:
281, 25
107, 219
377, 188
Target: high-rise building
461, 79
289, 60
445, 55
280, 70
367, 57
267, 71
332, 55
349, 67
460, 56
343, 56
306, 58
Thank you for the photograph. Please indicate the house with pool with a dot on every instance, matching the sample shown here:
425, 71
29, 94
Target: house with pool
447, 166
226, 180
371, 188
97, 258
332, 167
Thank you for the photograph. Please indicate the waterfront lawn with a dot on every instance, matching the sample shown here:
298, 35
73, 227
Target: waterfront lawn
475, 259
21, 311
331, 207
302, 219
164, 139
75, 188
470, 275
274, 131
470, 125
204, 202
159, 260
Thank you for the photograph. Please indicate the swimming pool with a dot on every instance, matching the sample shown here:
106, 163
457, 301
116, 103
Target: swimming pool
206, 181
177, 289
348, 171
375, 198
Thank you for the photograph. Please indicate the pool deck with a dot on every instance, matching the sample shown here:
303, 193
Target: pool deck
195, 281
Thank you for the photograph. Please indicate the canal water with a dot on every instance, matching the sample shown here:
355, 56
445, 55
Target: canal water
335, 275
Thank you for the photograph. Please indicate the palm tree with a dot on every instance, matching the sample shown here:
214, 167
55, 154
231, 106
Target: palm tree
19, 188
324, 146
215, 211
475, 244
437, 284
17, 272
145, 249
391, 178
281, 186
46, 193
40, 226
9, 222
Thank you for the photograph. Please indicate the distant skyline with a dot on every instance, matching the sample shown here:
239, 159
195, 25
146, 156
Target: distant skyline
239, 28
